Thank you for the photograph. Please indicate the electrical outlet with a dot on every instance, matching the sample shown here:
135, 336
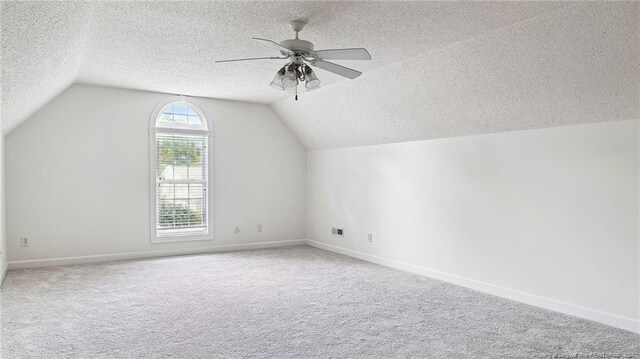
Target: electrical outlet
237, 230
24, 242
370, 237
259, 227
337, 231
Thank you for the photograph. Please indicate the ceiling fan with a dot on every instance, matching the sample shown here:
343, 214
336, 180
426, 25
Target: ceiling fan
302, 56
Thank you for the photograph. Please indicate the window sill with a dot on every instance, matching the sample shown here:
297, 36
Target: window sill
187, 237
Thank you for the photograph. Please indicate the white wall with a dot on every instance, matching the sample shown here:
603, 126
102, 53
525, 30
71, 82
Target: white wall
551, 212
3, 227
78, 176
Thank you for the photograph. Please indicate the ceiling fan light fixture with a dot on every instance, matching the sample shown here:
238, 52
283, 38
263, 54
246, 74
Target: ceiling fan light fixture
290, 78
277, 80
289, 82
312, 81
292, 90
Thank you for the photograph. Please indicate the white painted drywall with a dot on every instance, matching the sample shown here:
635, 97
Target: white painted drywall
3, 227
550, 212
78, 176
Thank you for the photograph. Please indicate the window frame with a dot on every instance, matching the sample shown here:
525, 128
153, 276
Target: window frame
154, 130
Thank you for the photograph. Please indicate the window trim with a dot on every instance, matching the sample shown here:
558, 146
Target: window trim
153, 155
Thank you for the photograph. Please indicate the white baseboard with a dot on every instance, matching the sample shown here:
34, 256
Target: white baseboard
613, 320
148, 254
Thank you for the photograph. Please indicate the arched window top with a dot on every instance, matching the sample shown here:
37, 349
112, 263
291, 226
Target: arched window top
182, 115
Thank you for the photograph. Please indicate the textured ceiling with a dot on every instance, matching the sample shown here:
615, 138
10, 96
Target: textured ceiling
171, 46
439, 69
574, 65
42, 46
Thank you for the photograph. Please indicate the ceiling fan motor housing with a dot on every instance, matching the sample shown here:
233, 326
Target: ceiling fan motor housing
297, 45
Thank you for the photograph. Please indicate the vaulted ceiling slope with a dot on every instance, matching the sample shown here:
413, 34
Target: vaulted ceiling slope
171, 46
42, 47
439, 69
575, 65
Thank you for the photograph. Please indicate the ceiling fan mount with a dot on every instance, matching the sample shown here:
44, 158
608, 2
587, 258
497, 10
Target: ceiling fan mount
296, 46
297, 25
301, 55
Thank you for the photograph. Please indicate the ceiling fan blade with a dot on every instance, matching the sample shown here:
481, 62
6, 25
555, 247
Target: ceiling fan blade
282, 49
336, 69
253, 58
343, 54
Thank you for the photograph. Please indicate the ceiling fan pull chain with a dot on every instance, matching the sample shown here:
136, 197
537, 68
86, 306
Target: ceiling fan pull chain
296, 93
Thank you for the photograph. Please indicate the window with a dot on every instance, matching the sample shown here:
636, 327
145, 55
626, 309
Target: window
181, 147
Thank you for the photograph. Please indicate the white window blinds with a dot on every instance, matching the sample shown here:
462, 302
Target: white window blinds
181, 184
